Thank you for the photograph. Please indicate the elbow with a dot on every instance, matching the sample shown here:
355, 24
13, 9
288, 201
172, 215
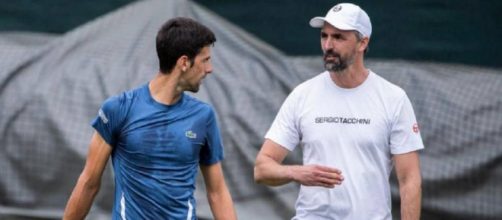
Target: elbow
261, 176
411, 184
90, 185
258, 175
212, 197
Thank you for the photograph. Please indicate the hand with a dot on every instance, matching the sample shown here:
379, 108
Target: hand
316, 175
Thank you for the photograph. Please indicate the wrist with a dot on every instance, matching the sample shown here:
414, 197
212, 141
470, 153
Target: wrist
290, 173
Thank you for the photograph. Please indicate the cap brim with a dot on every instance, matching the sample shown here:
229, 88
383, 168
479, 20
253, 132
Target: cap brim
317, 22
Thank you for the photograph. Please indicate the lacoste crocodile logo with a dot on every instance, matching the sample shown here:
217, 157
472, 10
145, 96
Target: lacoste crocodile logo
190, 134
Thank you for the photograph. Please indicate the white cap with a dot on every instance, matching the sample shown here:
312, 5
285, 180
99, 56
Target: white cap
345, 16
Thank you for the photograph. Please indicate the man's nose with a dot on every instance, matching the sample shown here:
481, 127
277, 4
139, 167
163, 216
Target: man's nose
209, 69
328, 44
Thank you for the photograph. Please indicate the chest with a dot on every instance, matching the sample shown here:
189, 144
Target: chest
345, 120
161, 138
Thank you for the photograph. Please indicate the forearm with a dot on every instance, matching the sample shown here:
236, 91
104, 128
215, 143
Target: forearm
80, 200
272, 173
89, 180
411, 195
221, 205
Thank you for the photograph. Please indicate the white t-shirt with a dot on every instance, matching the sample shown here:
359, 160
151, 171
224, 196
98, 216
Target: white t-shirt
355, 130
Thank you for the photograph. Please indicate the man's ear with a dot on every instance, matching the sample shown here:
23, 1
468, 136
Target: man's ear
183, 63
364, 43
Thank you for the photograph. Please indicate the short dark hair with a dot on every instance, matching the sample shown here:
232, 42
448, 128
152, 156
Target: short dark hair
181, 36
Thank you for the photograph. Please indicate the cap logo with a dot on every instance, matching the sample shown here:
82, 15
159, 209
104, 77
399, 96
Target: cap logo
337, 8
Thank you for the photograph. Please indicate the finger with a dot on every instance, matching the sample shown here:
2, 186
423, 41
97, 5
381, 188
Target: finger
321, 184
329, 169
337, 183
331, 176
329, 181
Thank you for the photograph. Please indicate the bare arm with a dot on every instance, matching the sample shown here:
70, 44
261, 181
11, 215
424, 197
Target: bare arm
269, 170
410, 181
218, 195
90, 179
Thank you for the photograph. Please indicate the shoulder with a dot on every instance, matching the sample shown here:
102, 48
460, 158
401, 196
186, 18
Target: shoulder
195, 104
125, 96
121, 101
394, 97
306, 86
387, 88
314, 81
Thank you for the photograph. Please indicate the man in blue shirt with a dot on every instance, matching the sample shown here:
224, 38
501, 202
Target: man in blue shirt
158, 136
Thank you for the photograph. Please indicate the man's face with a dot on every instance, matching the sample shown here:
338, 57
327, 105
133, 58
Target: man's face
192, 78
339, 48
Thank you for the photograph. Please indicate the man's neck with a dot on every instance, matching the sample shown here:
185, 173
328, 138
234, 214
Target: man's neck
351, 77
165, 88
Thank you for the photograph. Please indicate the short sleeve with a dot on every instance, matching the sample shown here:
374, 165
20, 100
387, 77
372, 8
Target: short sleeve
284, 129
405, 134
109, 118
212, 151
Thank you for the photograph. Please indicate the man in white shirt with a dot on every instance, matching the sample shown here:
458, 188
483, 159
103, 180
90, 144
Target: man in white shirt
353, 127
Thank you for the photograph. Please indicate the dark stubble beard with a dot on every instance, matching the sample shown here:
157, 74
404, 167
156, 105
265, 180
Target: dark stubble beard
339, 64
189, 87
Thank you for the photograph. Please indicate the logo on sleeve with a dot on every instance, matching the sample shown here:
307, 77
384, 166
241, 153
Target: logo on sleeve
190, 134
102, 116
415, 128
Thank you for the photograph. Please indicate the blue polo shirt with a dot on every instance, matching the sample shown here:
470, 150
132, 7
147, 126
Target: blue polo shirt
156, 152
